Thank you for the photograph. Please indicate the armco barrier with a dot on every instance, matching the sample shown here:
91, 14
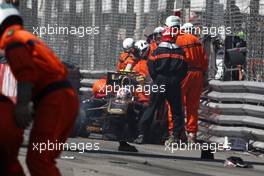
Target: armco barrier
234, 109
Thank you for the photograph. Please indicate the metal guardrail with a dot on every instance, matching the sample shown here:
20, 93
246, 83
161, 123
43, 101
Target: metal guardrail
232, 120
234, 109
237, 86
234, 97
93, 74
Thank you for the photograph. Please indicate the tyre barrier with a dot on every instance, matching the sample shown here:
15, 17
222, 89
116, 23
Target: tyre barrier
233, 110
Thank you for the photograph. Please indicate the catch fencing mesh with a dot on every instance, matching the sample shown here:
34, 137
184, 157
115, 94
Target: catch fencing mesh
89, 33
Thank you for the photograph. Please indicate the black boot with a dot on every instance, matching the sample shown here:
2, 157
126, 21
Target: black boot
181, 136
124, 146
139, 140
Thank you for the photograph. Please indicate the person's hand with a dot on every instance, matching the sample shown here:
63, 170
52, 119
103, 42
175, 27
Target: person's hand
23, 115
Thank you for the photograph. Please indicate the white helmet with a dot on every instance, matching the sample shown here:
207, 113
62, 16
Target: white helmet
142, 45
158, 30
173, 21
187, 26
8, 10
128, 43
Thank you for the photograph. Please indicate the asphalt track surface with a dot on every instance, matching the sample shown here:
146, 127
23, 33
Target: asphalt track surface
151, 160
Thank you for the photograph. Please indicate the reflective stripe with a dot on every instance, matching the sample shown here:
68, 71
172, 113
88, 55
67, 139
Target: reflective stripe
168, 45
128, 67
167, 56
152, 58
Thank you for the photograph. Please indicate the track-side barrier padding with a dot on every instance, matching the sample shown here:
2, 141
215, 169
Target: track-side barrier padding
233, 109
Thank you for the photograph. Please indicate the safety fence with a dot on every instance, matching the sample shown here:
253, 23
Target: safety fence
255, 69
233, 109
89, 33
71, 27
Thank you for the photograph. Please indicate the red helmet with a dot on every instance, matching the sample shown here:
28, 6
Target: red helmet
169, 34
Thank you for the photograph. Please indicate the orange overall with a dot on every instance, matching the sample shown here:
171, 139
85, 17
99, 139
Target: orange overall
124, 60
192, 85
142, 68
56, 103
11, 138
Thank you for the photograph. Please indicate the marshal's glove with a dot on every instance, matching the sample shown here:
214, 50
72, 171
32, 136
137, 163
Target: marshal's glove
24, 106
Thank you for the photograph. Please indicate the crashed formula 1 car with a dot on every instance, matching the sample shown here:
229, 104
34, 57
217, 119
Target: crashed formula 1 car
116, 114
